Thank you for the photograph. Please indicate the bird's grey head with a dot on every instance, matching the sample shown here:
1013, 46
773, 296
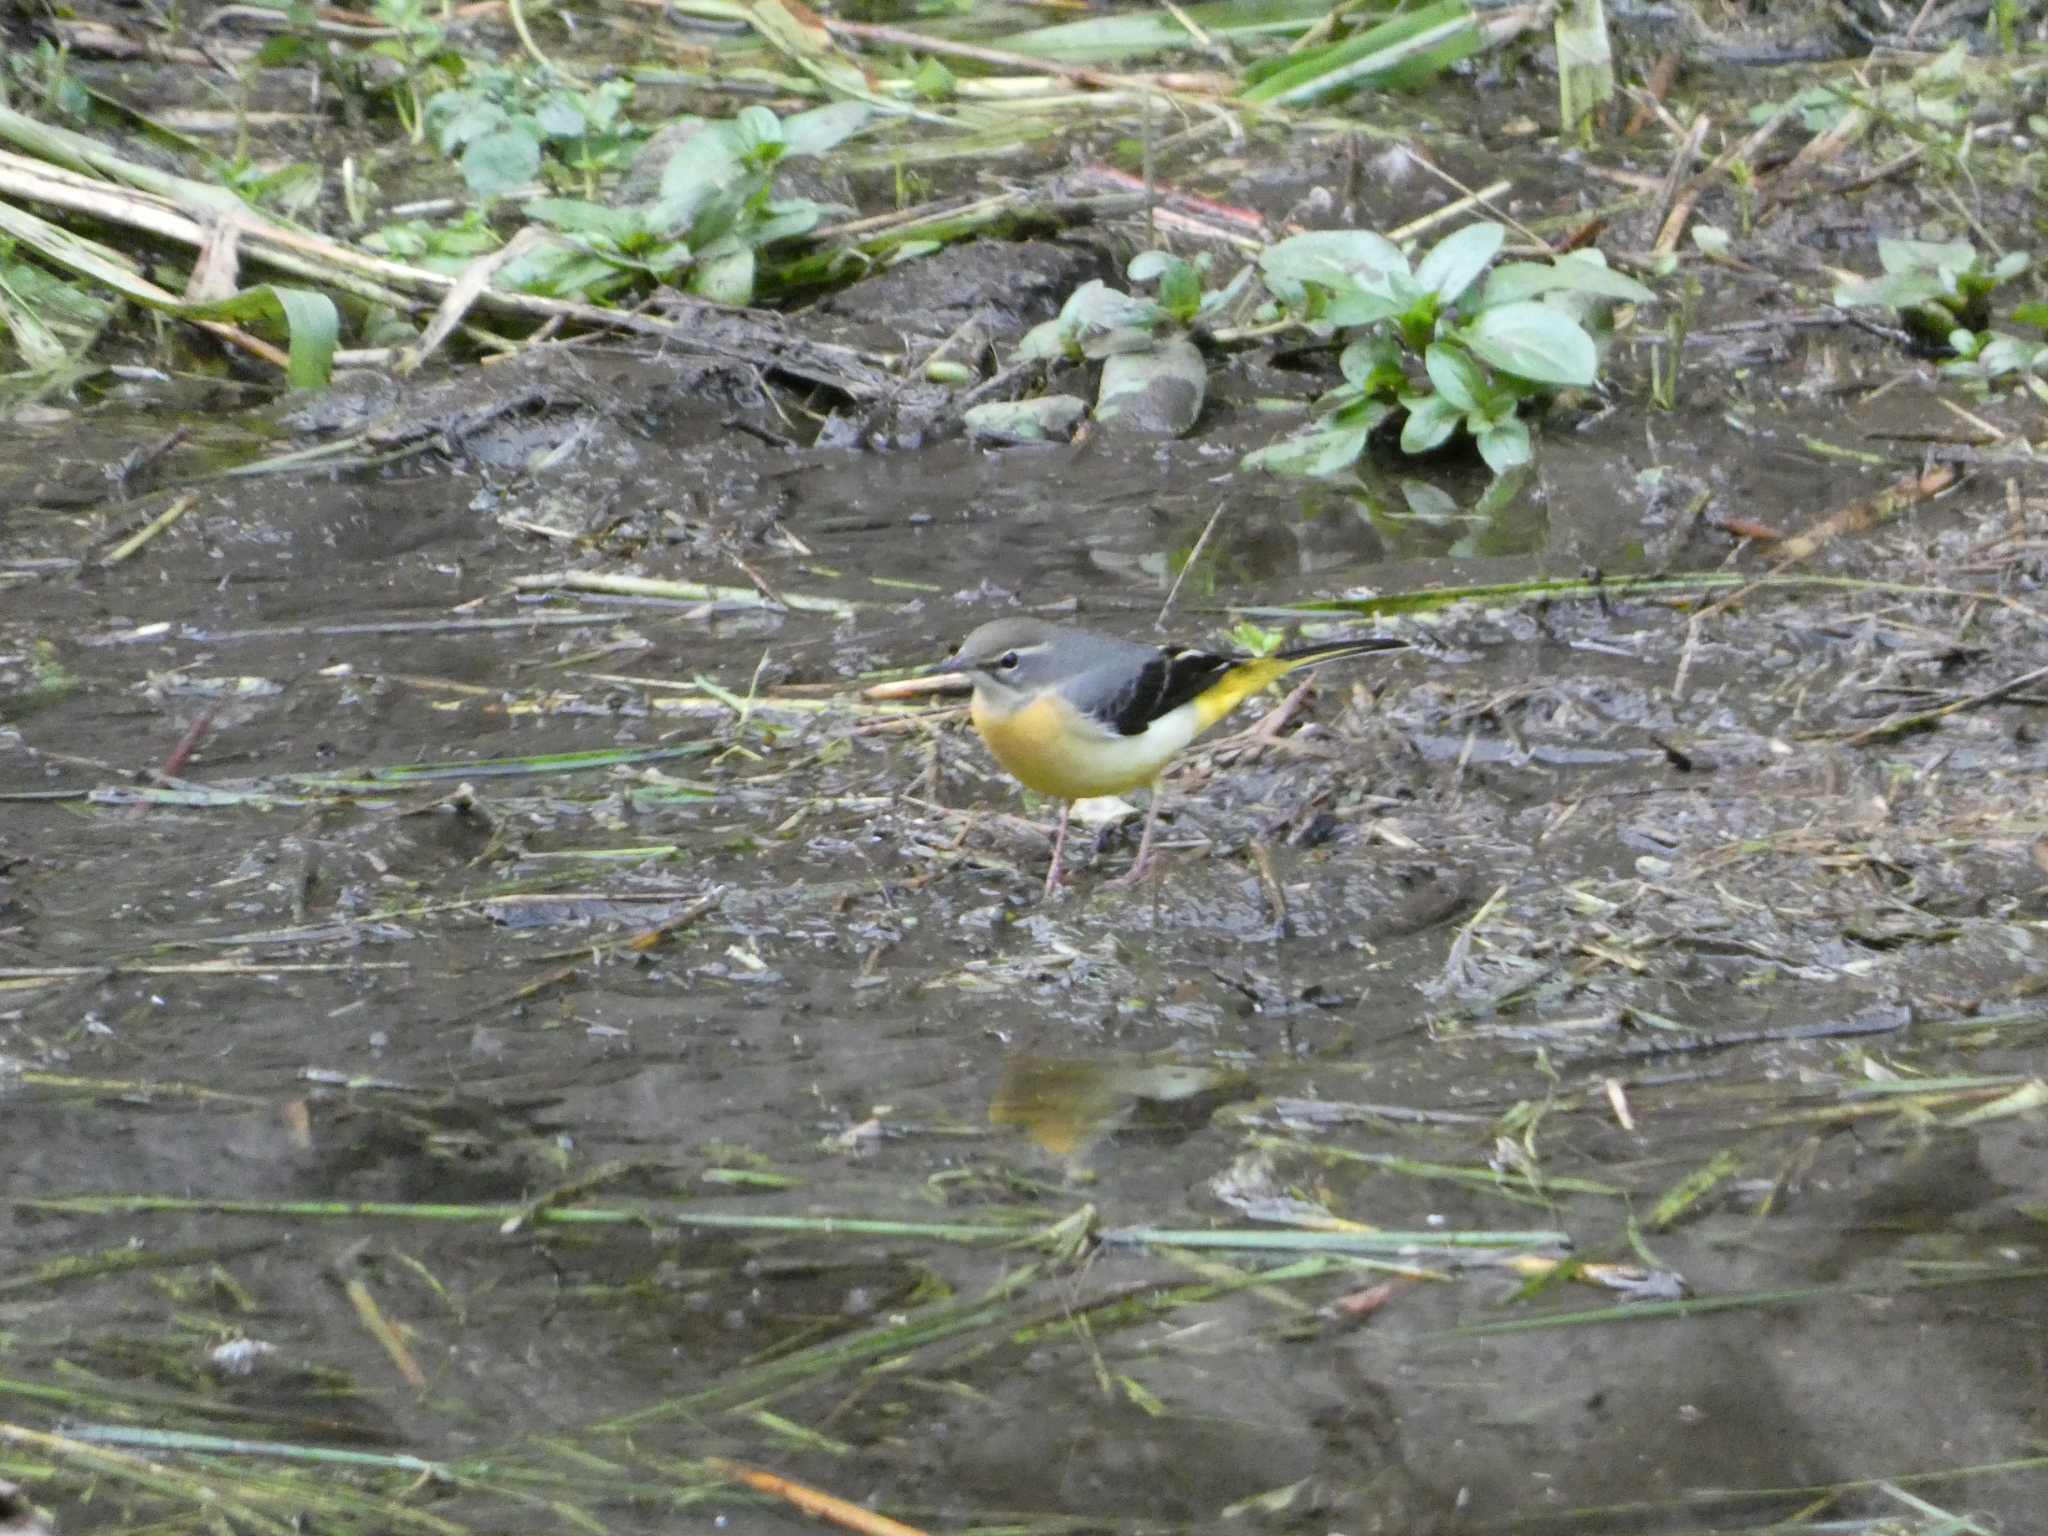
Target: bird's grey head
1015, 656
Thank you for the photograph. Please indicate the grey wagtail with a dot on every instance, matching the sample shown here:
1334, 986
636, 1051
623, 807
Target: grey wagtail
1072, 713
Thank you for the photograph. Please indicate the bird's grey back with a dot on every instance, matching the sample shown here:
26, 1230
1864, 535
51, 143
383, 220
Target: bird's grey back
1101, 670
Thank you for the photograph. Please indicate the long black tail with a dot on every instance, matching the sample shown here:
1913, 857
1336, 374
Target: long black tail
1309, 655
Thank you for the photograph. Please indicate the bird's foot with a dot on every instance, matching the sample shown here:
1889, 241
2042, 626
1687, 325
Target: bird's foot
1133, 875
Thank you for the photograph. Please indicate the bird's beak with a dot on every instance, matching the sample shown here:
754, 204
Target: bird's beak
946, 677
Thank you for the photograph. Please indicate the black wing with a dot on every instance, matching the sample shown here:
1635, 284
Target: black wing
1162, 685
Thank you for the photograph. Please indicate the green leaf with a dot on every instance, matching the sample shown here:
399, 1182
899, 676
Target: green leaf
603, 107
557, 268
704, 184
1994, 355
1534, 341
934, 82
1504, 443
1044, 342
501, 161
1431, 421
282, 49
559, 116
1025, 421
1219, 298
1458, 379
724, 273
1179, 280
1576, 272
785, 221
1364, 274
1895, 290
1431, 504
757, 126
665, 261
1328, 256
310, 321
1901, 256
1415, 46
1372, 365
1148, 265
462, 116
1317, 452
824, 128
1102, 321
2031, 314
291, 189
315, 328
1180, 292
443, 247
1360, 413
574, 216
1125, 35
42, 351
1456, 261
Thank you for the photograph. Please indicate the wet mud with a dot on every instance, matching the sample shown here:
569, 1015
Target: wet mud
1704, 937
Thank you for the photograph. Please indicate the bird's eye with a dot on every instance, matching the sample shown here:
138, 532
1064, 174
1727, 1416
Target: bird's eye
1008, 661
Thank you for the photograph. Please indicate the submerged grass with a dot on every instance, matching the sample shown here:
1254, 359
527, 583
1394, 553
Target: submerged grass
537, 1214
1676, 590
1785, 1296
1586, 1089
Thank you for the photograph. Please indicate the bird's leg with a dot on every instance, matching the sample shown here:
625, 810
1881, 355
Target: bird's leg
1059, 843
1136, 872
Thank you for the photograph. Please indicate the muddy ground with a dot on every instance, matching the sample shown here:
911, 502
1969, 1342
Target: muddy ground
1521, 930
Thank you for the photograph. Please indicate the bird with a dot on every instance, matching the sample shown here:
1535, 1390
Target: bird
1072, 713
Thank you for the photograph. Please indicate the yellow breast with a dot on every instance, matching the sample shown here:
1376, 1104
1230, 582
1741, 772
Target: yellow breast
1051, 749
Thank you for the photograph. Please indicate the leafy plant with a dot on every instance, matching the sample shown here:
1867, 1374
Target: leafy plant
713, 210
48, 320
1098, 321
1428, 341
1153, 375
292, 189
1984, 357
1941, 292
1926, 105
44, 72
415, 52
502, 125
446, 248
1484, 349
1935, 287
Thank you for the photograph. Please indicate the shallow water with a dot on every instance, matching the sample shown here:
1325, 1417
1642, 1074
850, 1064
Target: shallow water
1516, 932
